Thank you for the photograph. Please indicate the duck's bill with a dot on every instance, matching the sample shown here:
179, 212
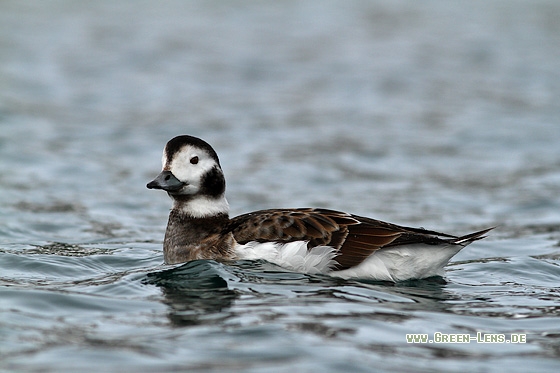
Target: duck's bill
166, 181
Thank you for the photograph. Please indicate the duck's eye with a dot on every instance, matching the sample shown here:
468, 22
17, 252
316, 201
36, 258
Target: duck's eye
194, 160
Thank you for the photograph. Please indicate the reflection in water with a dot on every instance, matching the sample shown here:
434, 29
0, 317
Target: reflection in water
202, 291
197, 292
426, 294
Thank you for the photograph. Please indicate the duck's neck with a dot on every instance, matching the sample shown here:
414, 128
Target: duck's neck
189, 237
201, 206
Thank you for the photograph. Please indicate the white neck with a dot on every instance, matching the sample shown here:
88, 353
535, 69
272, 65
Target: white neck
203, 206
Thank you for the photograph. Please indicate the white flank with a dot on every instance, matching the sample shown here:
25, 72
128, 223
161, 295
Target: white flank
403, 263
391, 264
202, 206
293, 255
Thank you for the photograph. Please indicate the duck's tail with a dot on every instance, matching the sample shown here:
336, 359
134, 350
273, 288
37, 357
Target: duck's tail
471, 237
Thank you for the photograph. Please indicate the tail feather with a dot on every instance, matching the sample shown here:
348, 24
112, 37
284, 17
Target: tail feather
467, 239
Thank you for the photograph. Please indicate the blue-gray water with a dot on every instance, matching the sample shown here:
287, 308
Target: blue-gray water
436, 114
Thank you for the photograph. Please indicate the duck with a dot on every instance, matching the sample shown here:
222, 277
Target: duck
314, 241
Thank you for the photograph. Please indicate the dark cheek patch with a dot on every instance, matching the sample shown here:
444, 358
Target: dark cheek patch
213, 183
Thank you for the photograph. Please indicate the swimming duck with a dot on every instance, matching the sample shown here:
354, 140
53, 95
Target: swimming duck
309, 240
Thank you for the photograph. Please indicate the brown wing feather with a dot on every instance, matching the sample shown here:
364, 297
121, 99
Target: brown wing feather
353, 239
362, 240
282, 225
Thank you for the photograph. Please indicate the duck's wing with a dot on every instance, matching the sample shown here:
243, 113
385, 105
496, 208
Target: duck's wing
355, 238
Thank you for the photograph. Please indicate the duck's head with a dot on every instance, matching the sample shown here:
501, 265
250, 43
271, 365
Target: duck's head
192, 176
